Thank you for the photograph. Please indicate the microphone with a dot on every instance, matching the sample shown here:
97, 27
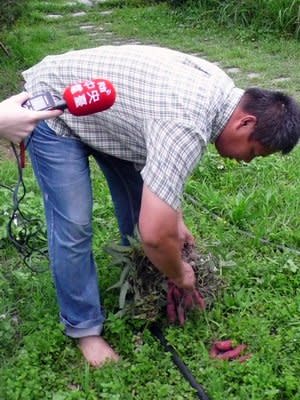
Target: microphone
88, 97
85, 98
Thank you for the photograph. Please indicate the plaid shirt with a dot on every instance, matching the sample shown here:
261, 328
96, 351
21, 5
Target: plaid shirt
169, 106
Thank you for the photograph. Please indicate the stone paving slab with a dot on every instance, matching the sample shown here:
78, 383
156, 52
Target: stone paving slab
79, 14
84, 2
87, 27
53, 16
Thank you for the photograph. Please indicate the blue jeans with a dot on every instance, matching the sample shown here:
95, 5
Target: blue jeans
61, 166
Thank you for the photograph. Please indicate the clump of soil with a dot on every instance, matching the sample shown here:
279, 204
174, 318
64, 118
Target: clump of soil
143, 289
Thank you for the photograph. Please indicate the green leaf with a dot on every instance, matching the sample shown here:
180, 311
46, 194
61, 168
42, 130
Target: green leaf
115, 248
123, 276
123, 294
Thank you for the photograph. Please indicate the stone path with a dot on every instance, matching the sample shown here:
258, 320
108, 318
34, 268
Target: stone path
101, 35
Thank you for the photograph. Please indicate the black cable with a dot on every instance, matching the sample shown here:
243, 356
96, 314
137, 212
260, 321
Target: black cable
6, 187
185, 372
28, 228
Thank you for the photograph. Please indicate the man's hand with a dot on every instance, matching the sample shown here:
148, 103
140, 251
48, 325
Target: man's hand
187, 278
180, 301
17, 122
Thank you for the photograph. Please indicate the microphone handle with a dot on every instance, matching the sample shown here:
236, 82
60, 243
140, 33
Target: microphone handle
60, 105
22, 155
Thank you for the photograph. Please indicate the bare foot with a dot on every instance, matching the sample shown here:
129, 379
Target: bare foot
96, 350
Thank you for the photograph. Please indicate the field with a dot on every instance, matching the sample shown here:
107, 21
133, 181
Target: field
246, 215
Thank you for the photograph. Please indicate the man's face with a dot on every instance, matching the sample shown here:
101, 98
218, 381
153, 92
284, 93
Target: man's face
235, 141
244, 150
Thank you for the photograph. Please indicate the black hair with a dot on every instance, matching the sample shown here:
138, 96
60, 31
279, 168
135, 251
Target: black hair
278, 118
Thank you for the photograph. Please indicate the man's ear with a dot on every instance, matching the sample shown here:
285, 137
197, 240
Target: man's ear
247, 120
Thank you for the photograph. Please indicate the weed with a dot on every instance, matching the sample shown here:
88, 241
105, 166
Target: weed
247, 215
263, 16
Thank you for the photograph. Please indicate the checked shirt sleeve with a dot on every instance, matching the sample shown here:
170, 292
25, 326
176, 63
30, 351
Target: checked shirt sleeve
173, 150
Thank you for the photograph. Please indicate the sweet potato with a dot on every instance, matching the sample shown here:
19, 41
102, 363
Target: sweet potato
232, 354
171, 307
224, 345
180, 315
180, 301
177, 294
188, 301
171, 313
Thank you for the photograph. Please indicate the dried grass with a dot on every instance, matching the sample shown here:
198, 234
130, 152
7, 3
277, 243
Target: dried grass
143, 289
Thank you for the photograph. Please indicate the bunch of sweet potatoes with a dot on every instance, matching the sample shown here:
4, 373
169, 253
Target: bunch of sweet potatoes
181, 301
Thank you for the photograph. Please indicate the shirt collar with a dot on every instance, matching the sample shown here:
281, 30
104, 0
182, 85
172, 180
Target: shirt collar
230, 104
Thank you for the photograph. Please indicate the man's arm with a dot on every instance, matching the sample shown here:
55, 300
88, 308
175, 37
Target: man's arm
185, 236
158, 226
17, 122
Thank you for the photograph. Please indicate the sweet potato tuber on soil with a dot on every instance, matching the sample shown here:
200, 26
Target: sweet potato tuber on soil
224, 345
232, 354
224, 350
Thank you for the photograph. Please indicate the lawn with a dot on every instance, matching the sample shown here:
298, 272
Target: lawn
247, 215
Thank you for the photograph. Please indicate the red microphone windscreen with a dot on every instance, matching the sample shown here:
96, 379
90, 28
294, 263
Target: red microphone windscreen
89, 97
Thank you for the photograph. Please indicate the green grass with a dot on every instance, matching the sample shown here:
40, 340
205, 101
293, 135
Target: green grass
247, 215
260, 16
